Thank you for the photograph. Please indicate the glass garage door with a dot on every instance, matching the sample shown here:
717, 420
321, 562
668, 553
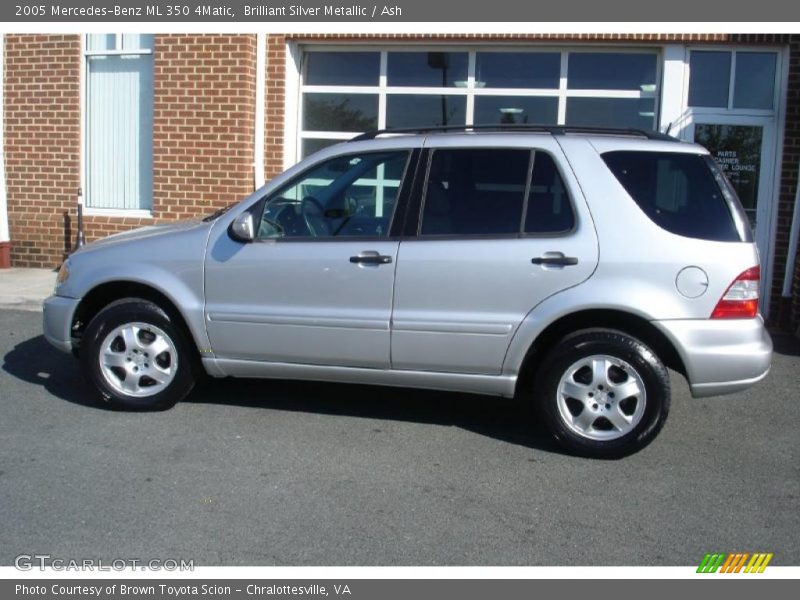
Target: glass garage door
344, 92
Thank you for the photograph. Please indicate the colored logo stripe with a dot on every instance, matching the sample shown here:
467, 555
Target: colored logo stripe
758, 563
733, 563
710, 563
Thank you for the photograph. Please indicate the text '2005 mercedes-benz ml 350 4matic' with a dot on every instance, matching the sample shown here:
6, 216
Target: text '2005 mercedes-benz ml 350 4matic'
566, 267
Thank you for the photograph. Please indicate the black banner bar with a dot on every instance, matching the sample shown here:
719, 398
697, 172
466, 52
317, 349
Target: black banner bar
300, 11
373, 589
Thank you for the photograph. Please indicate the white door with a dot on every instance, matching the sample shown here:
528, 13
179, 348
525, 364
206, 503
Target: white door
744, 147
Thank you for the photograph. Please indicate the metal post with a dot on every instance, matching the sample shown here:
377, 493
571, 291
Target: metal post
80, 239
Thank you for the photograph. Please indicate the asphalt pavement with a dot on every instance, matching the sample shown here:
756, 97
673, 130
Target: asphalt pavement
288, 473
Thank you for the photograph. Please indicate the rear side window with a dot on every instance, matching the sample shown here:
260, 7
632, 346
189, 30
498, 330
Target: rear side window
475, 192
482, 191
680, 193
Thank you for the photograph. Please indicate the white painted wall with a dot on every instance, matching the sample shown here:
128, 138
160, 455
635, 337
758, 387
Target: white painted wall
4, 234
292, 100
672, 114
261, 82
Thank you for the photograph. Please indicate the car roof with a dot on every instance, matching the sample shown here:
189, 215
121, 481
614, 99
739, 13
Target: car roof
602, 139
555, 130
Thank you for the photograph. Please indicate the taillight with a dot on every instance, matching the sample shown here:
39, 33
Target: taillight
740, 301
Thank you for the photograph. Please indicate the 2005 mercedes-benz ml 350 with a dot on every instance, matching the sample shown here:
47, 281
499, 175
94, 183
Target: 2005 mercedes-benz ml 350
567, 267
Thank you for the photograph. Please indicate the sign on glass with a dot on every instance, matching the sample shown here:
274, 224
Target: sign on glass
737, 150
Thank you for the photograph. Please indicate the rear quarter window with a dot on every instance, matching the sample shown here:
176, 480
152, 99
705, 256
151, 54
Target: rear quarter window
682, 193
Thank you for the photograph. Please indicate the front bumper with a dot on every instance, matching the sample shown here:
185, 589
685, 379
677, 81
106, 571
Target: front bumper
721, 356
57, 321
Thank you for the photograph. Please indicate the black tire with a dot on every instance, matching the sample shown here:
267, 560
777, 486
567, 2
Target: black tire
626, 361
175, 364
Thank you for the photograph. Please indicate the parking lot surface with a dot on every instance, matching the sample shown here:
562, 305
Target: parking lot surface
289, 473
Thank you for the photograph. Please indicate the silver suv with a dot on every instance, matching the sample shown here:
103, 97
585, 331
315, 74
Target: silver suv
567, 267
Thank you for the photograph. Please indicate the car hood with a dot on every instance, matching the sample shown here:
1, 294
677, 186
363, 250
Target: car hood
149, 231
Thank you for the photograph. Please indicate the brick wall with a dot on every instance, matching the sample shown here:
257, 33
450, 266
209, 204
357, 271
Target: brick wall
42, 143
274, 105
205, 89
204, 111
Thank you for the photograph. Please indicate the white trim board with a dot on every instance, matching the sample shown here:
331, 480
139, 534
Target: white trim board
4, 231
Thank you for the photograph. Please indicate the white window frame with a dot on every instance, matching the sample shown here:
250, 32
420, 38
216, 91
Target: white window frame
293, 148
84, 165
729, 109
773, 122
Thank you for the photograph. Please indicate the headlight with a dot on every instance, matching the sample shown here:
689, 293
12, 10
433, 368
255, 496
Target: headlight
63, 273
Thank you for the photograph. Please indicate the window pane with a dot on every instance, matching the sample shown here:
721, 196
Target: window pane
754, 84
490, 110
709, 78
100, 41
475, 192
352, 195
370, 201
119, 132
417, 110
517, 69
309, 146
737, 151
342, 68
611, 71
637, 113
137, 41
677, 191
427, 69
340, 112
549, 208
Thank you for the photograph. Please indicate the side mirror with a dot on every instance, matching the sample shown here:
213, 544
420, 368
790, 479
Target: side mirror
243, 228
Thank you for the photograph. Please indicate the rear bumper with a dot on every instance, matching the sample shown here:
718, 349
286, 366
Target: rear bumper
57, 317
721, 356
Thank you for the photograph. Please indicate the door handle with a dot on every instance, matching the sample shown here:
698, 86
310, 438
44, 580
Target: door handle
370, 257
557, 260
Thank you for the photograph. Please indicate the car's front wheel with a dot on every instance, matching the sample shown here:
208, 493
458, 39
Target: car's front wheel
603, 393
136, 356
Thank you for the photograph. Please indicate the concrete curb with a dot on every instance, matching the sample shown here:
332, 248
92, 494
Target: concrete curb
25, 289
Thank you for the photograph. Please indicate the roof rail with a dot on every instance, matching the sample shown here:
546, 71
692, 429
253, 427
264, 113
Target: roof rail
551, 129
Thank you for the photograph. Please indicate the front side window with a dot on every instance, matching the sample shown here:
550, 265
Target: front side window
119, 121
347, 196
494, 191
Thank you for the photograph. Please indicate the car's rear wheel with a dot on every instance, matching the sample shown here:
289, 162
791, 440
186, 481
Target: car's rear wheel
603, 393
136, 356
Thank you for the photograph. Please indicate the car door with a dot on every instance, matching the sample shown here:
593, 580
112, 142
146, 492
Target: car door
502, 226
316, 285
